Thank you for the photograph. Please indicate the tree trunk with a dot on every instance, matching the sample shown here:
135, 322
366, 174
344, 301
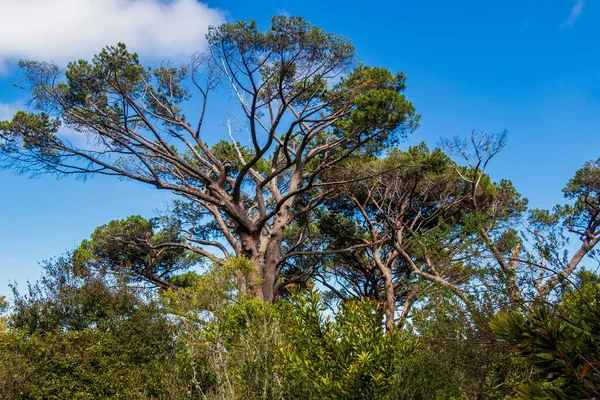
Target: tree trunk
390, 299
587, 246
271, 257
508, 269
255, 280
250, 250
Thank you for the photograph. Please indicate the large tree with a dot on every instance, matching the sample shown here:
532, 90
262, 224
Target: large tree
404, 224
305, 106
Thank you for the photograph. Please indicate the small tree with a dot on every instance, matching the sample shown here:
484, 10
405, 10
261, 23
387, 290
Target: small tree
346, 356
133, 249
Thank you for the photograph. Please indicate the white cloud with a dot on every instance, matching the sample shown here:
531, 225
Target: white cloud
65, 30
7, 110
575, 14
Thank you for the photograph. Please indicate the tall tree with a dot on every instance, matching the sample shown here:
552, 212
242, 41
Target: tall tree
305, 103
529, 246
403, 224
498, 208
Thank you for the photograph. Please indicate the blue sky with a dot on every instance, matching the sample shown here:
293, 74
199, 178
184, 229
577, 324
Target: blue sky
531, 67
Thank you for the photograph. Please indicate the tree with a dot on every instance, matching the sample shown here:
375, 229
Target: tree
306, 106
458, 355
402, 220
529, 246
497, 207
344, 356
581, 219
132, 248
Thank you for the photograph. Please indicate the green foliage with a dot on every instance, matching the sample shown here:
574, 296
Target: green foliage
378, 105
242, 347
283, 52
133, 248
62, 300
88, 338
228, 153
202, 298
584, 190
74, 336
35, 130
89, 364
457, 356
561, 343
346, 356
295, 350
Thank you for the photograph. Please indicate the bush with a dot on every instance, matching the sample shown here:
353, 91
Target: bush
347, 355
561, 343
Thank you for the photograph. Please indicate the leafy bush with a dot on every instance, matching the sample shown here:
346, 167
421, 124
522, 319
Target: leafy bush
347, 355
562, 343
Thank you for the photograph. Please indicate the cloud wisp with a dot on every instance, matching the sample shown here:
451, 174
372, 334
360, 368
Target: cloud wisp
65, 30
575, 14
8, 110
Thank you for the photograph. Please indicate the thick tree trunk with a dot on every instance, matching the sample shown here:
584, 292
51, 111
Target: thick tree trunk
269, 280
250, 249
263, 278
390, 299
271, 257
264, 250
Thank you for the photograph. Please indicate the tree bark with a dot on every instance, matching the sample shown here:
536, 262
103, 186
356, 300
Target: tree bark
390, 298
